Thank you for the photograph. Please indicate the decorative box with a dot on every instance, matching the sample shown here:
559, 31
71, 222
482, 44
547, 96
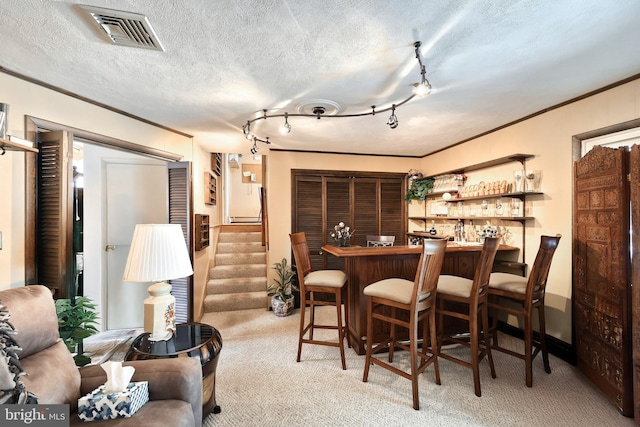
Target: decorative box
98, 405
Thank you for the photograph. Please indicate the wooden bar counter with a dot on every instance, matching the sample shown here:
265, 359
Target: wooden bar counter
365, 265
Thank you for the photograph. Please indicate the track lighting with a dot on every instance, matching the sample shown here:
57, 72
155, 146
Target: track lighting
286, 127
419, 89
393, 120
424, 87
255, 148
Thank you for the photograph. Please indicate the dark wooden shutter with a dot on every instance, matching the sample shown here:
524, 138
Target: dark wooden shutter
366, 212
635, 271
392, 209
181, 212
338, 209
601, 290
307, 217
55, 212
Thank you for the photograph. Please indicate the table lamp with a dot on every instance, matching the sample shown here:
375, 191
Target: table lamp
158, 253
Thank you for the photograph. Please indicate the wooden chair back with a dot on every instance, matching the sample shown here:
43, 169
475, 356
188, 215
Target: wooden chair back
540, 271
480, 288
374, 241
301, 255
429, 268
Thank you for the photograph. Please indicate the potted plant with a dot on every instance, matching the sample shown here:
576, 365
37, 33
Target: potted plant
77, 320
418, 189
282, 300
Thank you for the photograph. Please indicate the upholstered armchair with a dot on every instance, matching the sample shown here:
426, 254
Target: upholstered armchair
175, 385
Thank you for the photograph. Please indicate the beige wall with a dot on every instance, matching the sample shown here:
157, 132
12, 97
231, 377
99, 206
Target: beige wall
547, 136
28, 99
278, 185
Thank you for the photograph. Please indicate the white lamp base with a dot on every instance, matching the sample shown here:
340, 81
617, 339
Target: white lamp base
160, 312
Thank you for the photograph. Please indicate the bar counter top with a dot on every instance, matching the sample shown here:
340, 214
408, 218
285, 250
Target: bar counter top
357, 251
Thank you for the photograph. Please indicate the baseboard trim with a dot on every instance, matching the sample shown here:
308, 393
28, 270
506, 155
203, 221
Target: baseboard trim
558, 348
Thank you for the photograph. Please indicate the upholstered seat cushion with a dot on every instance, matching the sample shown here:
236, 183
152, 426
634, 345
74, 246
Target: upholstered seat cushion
455, 285
329, 278
508, 282
399, 290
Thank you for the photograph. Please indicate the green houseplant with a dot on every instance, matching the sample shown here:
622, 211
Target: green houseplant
282, 300
77, 320
418, 189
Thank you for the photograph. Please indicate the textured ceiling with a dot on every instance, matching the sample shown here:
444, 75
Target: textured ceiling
490, 62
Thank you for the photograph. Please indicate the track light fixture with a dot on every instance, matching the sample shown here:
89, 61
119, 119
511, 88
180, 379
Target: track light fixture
286, 127
393, 120
419, 89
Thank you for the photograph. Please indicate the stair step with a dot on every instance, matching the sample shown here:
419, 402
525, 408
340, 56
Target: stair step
239, 237
239, 247
241, 258
239, 285
238, 271
236, 301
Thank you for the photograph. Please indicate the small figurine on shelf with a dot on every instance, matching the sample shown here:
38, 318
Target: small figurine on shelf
459, 180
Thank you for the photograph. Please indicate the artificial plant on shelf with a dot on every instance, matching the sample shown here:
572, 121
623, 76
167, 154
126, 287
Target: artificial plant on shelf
282, 300
419, 188
77, 320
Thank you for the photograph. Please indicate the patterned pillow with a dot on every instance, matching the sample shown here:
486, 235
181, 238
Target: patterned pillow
11, 388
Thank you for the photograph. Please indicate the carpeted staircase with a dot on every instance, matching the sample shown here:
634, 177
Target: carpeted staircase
239, 279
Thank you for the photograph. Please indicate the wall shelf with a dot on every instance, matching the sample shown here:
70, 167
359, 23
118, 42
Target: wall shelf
521, 195
216, 163
201, 229
7, 145
210, 189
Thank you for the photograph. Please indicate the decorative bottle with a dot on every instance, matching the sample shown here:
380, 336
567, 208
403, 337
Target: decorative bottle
433, 231
458, 231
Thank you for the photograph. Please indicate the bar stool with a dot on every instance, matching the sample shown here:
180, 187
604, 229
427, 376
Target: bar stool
418, 298
312, 285
521, 296
472, 295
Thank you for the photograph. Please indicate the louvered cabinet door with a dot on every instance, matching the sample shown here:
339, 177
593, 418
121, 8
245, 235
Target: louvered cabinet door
181, 212
308, 214
338, 209
601, 291
392, 209
635, 271
366, 214
55, 213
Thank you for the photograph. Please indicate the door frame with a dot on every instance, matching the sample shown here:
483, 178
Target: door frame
33, 125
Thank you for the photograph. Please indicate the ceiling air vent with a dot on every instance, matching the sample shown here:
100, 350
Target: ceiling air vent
124, 28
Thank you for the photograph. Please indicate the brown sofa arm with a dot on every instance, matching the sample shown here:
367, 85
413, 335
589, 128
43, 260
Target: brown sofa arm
175, 378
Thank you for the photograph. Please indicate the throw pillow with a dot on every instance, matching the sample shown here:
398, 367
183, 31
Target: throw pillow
12, 390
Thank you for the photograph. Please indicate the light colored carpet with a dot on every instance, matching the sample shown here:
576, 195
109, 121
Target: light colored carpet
259, 383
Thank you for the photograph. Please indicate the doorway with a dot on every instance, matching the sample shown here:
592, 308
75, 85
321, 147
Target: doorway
120, 190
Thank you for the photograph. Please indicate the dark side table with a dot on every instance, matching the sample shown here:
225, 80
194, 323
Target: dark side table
192, 340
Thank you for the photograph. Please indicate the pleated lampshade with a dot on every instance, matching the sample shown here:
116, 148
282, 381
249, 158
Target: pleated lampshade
158, 252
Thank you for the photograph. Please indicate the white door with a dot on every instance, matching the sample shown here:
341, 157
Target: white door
136, 193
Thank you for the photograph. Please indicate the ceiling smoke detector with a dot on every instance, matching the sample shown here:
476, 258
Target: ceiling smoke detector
124, 28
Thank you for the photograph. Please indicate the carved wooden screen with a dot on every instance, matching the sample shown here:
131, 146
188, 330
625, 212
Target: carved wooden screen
635, 271
601, 289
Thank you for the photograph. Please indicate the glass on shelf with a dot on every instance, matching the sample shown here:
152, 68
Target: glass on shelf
532, 180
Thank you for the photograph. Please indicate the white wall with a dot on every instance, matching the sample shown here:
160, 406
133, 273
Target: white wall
244, 198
